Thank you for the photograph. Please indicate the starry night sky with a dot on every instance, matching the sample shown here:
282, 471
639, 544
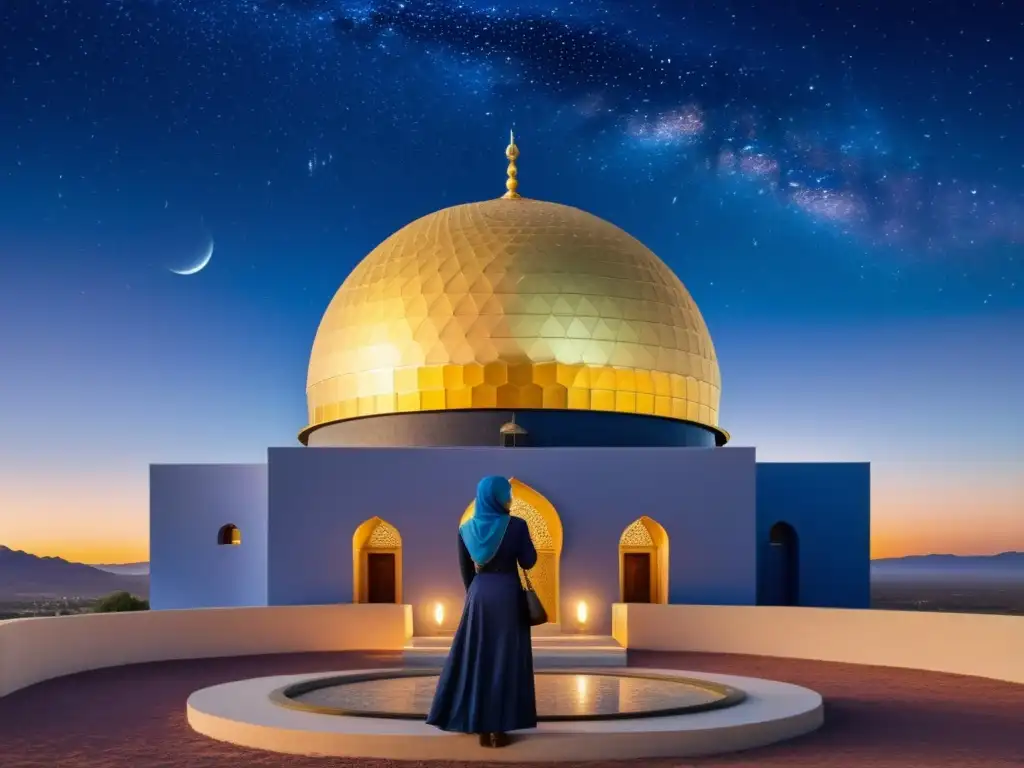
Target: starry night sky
840, 186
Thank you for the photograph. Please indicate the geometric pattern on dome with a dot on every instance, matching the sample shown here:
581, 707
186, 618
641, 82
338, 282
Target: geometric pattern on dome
512, 304
384, 536
636, 535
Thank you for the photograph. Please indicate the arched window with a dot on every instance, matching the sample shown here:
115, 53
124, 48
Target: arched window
229, 535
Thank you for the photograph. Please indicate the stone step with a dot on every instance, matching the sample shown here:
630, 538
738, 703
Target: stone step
548, 651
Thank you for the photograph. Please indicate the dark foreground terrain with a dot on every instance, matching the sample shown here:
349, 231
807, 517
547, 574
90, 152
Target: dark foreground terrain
953, 595
28, 580
46, 606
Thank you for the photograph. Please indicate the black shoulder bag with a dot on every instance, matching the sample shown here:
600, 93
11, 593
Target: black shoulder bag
535, 613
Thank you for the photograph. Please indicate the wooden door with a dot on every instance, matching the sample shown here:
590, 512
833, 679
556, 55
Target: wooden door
636, 577
380, 578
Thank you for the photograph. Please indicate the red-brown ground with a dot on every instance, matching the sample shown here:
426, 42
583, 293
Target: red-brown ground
134, 717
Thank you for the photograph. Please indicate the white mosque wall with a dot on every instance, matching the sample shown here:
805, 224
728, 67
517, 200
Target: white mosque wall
958, 643
704, 498
189, 506
34, 650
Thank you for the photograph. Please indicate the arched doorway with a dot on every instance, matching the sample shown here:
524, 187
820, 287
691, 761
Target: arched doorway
784, 551
545, 526
643, 562
376, 563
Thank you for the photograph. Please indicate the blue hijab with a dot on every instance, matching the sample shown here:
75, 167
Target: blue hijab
483, 532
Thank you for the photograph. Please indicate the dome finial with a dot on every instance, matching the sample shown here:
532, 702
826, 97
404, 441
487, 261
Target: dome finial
512, 182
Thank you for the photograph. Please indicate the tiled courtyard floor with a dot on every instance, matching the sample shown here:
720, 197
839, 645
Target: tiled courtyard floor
134, 717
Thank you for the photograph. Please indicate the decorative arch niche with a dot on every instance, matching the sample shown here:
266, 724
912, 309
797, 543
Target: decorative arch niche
545, 526
643, 562
376, 563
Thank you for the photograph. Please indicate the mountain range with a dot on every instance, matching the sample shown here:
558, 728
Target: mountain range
1004, 569
1012, 560
126, 569
25, 577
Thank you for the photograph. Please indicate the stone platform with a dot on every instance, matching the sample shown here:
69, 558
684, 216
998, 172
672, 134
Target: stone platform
248, 713
549, 651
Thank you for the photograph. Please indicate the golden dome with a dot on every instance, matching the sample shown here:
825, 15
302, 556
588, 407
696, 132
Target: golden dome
513, 304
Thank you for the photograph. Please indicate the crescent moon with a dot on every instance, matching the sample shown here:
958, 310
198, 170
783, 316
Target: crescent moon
199, 265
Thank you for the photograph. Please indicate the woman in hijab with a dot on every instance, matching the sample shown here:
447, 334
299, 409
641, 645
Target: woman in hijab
486, 686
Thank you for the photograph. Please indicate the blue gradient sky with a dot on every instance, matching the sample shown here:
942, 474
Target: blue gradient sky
837, 341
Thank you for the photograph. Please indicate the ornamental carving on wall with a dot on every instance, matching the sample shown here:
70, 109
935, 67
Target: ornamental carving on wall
539, 532
636, 535
384, 536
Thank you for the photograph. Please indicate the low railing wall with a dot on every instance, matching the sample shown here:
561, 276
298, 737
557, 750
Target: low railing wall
33, 650
960, 643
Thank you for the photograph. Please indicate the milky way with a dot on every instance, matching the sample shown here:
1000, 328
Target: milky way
732, 111
720, 109
721, 112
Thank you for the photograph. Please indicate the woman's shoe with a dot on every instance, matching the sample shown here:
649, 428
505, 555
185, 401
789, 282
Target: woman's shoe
486, 740
499, 740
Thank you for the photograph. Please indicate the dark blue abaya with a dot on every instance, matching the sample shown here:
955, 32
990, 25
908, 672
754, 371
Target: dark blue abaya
486, 685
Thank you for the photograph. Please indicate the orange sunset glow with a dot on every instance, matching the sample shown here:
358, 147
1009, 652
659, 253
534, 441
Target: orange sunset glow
917, 509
